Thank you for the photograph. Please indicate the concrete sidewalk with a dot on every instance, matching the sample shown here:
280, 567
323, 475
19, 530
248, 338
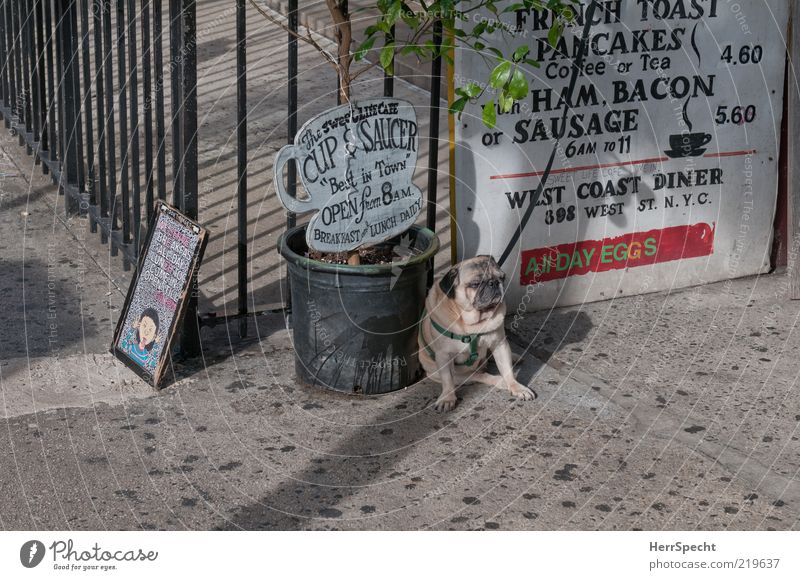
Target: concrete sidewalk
666, 411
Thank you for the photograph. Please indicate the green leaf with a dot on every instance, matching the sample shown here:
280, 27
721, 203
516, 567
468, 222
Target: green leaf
521, 53
495, 52
387, 56
514, 7
365, 47
393, 13
505, 102
472, 90
489, 114
554, 34
411, 20
480, 28
518, 86
457, 107
500, 75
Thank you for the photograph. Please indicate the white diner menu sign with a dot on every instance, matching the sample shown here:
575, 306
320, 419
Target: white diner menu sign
356, 163
654, 167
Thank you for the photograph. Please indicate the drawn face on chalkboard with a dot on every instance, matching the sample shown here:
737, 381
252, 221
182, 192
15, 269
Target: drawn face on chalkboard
147, 329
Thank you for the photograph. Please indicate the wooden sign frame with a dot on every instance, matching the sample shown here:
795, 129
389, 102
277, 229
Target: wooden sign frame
165, 337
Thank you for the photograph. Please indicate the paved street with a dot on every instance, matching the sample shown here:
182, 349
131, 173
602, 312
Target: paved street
667, 411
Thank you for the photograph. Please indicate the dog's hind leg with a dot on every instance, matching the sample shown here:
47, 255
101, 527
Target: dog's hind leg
484, 378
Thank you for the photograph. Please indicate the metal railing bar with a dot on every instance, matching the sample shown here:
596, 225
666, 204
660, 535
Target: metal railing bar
123, 123
161, 161
86, 105
241, 150
100, 179
133, 92
147, 98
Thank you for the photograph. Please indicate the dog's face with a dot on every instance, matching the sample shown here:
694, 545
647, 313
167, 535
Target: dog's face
475, 284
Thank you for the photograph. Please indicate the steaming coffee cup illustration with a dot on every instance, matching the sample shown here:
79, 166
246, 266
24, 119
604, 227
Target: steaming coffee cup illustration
356, 163
687, 144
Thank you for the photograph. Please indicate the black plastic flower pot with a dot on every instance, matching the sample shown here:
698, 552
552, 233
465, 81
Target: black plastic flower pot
355, 327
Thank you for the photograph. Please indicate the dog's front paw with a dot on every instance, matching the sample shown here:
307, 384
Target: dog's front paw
445, 404
520, 391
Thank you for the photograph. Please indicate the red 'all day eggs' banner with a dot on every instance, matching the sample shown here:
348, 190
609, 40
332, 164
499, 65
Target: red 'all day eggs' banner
625, 251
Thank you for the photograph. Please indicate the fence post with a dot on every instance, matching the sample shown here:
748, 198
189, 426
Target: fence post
190, 341
9, 64
66, 33
122, 104
241, 147
133, 93
291, 166
147, 99
50, 68
44, 143
97, 12
23, 39
161, 162
86, 105
175, 68
4, 60
110, 133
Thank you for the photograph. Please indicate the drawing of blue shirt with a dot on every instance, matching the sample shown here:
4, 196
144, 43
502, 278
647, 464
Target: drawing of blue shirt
144, 358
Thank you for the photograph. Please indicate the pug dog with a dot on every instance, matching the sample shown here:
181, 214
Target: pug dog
462, 324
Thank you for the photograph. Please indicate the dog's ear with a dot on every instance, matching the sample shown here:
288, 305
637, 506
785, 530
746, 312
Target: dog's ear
448, 283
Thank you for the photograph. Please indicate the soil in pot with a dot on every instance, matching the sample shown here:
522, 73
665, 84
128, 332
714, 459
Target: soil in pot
380, 254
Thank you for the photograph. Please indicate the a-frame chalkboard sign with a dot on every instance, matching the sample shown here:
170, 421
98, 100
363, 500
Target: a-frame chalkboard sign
157, 296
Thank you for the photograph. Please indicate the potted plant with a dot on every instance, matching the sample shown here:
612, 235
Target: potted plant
358, 270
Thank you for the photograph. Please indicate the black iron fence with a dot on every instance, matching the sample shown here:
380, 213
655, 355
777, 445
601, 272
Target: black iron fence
72, 76
243, 312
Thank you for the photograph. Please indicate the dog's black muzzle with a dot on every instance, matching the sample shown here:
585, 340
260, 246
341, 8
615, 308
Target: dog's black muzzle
489, 295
